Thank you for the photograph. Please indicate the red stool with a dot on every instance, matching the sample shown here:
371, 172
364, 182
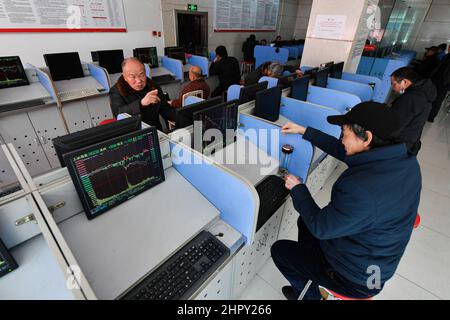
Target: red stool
327, 294
107, 121
417, 221
247, 67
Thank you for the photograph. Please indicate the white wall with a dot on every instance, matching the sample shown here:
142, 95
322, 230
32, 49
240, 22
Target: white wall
436, 27
303, 13
287, 16
142, 17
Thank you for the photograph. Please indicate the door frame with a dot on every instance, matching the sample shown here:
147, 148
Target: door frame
204, 15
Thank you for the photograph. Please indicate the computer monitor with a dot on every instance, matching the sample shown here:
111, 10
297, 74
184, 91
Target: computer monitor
94, 55
322, 78
12, 73
286, 81
147, 55
327, 64
87, 137
267, 104
336, 70
64, 66
175, 53
184, 115
299, 88
7, 262
223, 117
111, 60
111, 172
248, 93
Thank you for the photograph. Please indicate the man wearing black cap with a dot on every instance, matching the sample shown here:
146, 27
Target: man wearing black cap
353, 245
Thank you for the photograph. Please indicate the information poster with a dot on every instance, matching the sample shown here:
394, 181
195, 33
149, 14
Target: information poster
246, 15
330, 26
62, 16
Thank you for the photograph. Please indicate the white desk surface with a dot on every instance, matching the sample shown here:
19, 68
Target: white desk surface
77, 84
114, 77
252, 172
154, 72
38, 276
25, 93
118, 248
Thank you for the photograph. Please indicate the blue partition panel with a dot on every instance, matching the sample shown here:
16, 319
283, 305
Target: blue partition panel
233, 92
303, 150
367, 80
148, 72
191, 100
310, 115
365, 65
363, 91
293, 52
378, 68
201, 62
173, 65
46, 82
266, 53
341, 101
99, 74
385, 75
236, 200
272, 82
212, 56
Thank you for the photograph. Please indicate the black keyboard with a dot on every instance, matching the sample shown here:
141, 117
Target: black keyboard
22, 105
181, 275
165, 78
272, 194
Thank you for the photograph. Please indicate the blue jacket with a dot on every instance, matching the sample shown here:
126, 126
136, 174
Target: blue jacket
373, 206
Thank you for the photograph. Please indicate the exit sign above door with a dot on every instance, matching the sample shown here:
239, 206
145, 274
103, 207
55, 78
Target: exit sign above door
192, 7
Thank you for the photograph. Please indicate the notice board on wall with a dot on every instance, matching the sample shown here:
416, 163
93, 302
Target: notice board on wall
246, 15
62, 16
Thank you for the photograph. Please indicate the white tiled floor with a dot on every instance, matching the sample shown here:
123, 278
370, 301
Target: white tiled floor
424, 271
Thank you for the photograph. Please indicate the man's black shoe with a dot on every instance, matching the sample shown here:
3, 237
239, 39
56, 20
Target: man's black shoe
290, 293
430, 120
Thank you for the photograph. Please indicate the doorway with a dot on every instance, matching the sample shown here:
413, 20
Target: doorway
192, 31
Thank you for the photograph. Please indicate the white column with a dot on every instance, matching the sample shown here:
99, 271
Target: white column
337, 31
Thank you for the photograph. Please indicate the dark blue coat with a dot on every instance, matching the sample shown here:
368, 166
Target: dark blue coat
373, 206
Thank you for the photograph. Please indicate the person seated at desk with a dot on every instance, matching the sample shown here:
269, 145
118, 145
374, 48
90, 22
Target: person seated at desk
197, 83
269, 69
353, 245
135, 94
226, 68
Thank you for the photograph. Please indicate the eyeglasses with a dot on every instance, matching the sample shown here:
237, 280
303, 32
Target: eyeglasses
134, 77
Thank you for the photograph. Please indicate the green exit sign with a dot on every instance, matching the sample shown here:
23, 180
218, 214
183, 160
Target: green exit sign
192, 7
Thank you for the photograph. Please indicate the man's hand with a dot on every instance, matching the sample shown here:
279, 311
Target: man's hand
291, 181
293, 128
299, 73
150, 98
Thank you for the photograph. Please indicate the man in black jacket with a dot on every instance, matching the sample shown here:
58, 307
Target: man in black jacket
413, 106
227, 68
441, 79
135, 94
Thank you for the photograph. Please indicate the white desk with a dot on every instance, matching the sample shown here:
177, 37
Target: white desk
24, 93
38, 276
77, 84
250, 171
121, 246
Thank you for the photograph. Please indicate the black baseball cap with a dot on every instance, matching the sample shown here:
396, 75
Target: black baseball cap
375, 117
